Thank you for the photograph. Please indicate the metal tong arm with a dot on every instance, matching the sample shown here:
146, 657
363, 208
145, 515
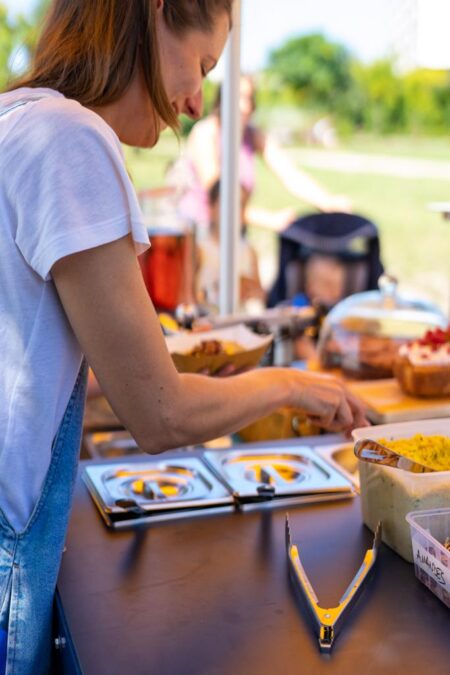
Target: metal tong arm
373, 452
329, 620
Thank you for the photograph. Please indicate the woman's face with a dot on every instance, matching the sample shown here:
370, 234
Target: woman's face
185, 61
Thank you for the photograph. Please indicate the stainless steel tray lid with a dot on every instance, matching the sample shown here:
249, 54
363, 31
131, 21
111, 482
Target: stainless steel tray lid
156, 485
130, 493
284, 471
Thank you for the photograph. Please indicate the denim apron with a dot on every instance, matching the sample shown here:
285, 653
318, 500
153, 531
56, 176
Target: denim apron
30, 560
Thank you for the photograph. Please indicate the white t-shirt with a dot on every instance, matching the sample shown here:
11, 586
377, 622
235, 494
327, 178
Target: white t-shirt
64, 188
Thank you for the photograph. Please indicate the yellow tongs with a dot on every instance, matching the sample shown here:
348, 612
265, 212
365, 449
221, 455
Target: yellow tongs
328, 621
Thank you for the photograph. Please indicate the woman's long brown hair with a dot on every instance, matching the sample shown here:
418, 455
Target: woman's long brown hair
89, 49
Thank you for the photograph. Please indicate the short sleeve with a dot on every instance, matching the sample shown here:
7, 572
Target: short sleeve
71, 189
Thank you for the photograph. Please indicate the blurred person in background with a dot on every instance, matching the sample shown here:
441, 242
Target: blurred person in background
104, 72
200, 164
251, 293
325, 278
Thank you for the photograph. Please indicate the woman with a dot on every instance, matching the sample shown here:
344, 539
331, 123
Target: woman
105, 71
201, 163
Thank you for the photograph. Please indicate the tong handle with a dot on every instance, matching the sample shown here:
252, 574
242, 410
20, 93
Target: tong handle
329, 620
369, 450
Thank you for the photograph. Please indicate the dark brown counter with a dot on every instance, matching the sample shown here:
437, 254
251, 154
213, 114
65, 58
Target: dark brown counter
212, 596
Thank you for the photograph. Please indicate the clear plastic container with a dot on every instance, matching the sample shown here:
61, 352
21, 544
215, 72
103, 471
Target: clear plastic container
362, 334
430, 530
389, 494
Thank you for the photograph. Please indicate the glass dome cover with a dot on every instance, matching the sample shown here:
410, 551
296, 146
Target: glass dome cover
362, 334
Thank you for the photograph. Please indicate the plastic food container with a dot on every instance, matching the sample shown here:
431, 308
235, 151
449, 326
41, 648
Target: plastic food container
389, 494
429, 532
362, 334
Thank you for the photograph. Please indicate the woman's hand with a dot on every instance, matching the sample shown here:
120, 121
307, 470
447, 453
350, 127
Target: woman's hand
327, 402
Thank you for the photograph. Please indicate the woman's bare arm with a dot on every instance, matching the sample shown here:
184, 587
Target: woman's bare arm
299, 183
105, 299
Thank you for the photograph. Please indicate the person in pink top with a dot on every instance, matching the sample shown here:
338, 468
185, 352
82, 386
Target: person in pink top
201, 164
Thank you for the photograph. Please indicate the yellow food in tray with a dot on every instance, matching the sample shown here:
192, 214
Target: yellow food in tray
230, 347
213, 347
432, 451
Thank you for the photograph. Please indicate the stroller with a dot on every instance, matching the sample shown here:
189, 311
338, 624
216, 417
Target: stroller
347, 240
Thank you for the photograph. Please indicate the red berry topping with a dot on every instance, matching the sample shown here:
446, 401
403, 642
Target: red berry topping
435, 338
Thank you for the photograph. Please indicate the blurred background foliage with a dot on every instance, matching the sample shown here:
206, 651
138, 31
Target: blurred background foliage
322, 76
18, 37
309, 73
374, 110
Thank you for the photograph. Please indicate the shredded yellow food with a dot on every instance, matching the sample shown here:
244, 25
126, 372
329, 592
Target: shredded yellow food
432, 451
231, 347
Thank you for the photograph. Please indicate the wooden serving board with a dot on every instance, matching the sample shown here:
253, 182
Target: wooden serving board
387, 403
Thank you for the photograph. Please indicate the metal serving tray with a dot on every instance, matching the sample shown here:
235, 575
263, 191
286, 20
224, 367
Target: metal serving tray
131, 493
154, 489
342, 458
277, 472
111, 444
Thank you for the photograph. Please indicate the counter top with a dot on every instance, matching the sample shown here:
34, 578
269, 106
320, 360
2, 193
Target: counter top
211, 595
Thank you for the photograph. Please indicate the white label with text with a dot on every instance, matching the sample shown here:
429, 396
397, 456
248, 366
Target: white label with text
433, 566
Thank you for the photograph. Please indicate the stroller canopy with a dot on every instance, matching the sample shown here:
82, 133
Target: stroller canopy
350, 238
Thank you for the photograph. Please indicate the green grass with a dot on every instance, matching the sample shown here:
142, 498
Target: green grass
437, 147
148, 167
415, 241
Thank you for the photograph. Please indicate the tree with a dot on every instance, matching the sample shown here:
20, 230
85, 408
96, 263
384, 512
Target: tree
314, 67
383, 103
11, 37
32, 30
18, 36
40, 10
323, 76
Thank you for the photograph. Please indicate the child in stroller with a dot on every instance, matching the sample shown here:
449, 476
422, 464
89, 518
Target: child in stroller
325, 257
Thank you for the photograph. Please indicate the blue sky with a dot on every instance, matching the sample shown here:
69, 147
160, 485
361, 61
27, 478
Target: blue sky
360, 24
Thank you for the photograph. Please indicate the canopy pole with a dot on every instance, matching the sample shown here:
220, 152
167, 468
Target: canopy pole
230, 190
